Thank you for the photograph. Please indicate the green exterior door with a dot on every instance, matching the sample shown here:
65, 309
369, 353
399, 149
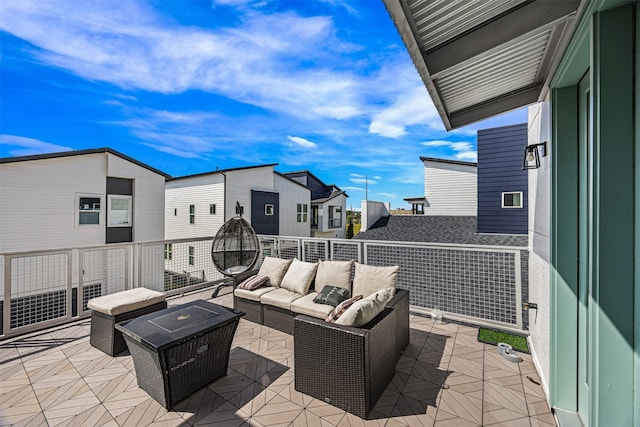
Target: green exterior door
595, 314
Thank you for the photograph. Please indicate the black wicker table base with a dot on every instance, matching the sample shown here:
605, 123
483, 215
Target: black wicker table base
173, 362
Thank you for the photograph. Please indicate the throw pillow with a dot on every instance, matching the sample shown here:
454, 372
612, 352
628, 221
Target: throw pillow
363, 311
337, 273
369, 279
341, 308
332, 295
299, 276
274, 269
254, 282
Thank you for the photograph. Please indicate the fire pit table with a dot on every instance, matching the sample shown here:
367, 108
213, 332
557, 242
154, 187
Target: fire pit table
181, 349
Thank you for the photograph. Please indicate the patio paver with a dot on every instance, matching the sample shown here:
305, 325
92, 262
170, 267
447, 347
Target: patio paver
444, 378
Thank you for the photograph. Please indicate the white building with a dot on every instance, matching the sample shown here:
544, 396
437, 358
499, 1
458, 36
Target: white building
450, 188
328, 206
77, 199
198, 205
67, 206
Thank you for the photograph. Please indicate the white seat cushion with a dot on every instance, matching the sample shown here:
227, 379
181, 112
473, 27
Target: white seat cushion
280, 298
125, 301
255, 294
299, 276
274, 269
305, 305
369, 279
334, 273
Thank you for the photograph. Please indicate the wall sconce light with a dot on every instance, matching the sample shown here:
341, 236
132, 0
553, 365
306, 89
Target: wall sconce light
532, 154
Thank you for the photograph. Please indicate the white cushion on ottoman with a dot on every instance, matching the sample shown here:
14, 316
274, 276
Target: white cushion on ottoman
125, 301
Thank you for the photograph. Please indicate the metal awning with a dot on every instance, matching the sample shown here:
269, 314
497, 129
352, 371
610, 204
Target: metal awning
479, 58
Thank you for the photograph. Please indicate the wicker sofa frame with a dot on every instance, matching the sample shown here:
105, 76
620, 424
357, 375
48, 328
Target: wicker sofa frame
344, 366
282, 319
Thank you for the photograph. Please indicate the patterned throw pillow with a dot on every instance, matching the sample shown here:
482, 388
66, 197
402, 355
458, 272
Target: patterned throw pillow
254, 282
332, 295
341, 308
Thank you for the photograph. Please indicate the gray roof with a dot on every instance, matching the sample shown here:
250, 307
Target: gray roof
71, 153
453, 162
332, 196
437, 229
219, 171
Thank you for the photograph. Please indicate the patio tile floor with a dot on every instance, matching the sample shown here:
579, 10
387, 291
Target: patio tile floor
444, 378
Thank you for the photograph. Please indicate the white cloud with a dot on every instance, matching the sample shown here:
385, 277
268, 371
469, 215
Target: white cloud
412, 107
301, 142
410, 179
437, 143
462, 150
30, 146
353, 189
388, 195
362, 181
258, 59
471, 156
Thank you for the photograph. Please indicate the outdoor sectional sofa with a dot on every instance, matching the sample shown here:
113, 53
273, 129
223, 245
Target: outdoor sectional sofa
347, 363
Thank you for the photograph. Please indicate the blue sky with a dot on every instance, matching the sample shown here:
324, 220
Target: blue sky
191, 86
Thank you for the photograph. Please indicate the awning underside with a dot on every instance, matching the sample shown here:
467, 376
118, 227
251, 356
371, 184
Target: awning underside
479, 58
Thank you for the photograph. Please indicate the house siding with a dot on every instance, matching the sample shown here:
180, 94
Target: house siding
239, 185
450, 189
325, 230
500, 155
38, 201
539, 243
200, 191
261, 222
290, 195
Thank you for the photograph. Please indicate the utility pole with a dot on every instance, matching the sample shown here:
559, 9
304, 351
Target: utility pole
366, 187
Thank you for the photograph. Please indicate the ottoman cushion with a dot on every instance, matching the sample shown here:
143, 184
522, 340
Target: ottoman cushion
125, 301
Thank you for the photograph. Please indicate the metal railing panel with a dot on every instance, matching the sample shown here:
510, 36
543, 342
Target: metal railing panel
346, 250
480, 284
477, 283
38, 291
315, 250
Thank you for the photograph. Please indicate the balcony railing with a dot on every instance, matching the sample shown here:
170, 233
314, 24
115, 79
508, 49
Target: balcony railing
478, 284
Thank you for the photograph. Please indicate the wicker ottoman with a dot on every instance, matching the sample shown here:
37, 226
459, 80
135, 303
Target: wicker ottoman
108, 310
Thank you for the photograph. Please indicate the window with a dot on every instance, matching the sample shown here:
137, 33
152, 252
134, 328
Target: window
192, 214
268, 210
315, 216
302, 212
119, 211
212, 209
192, 255
88, 210
512, 199
335, 216
168, 251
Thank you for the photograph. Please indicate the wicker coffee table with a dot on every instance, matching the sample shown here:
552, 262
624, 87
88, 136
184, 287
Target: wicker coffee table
181, 349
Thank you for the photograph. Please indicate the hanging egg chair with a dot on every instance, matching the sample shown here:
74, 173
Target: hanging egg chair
235, 247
